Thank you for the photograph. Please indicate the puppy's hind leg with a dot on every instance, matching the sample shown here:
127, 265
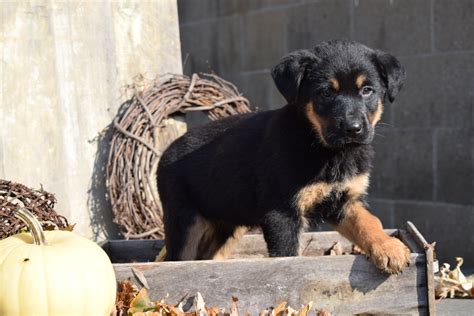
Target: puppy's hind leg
183, 233
219, 241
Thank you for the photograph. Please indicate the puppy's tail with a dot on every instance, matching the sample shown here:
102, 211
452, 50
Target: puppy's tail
162, 255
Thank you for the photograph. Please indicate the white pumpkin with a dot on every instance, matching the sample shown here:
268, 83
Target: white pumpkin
54, 273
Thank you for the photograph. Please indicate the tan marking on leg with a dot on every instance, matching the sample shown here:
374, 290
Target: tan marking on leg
374, 117
316, 121
360, 80
195, 235
335, 84
304, 227
311, 195
225, 250
365, 230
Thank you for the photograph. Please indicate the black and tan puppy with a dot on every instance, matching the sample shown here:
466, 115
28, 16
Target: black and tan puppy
306, 162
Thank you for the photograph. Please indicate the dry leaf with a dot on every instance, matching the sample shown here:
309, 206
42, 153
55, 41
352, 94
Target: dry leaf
264, 312
322, 312
141, 303
140, 276
305, 310
452, 283
280, 309
234, 310
199, 305
336, 249
69, 228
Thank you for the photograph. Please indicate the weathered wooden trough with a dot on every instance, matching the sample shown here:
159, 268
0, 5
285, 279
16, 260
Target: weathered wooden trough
345, 284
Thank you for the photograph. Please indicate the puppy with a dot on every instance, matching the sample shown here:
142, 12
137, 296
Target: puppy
308, 162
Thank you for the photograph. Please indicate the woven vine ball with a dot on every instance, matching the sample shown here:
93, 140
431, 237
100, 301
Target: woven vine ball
142, 131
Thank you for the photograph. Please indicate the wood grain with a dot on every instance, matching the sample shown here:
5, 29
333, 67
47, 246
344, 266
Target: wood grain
341, 284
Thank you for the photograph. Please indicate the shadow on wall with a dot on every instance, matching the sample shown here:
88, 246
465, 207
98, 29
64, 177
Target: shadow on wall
100, 209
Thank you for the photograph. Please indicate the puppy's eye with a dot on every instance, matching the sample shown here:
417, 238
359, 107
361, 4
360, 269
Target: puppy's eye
327, 92
366, 91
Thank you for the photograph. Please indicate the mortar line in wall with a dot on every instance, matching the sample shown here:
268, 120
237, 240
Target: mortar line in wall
351, 20
435, 164
437, 53
392, 214
255, 72
277, 7
202, 21
432, 35
241, 42
420, 202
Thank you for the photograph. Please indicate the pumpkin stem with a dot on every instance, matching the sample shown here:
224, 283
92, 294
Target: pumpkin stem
33, 225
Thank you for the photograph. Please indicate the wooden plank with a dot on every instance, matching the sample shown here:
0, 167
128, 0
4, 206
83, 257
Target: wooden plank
341, 284
429, 251
408, 240
250, 246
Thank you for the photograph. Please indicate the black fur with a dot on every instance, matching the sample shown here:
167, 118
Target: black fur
246, 170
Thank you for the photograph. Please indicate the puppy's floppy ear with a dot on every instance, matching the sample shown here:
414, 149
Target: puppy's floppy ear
391, 72
289, 72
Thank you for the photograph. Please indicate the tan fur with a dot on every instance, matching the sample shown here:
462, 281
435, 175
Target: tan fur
195, 236
335, 84
374, 117
210, 249
223, 252
357, 185
360, 80
316, 121
315, 193
311, 195
365, 230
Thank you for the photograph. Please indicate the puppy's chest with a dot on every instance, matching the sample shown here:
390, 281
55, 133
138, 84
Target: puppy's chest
317, 193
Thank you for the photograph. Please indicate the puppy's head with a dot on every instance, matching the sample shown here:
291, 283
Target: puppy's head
340, 86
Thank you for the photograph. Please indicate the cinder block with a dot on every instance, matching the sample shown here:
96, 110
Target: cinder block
403, 165
198, 52
400, 27
192, 11
312, 23
189, 11
437, 93
383, 209
454, 166
262, 92
263, 39
453, 25
449, 225
268, 4
213, 46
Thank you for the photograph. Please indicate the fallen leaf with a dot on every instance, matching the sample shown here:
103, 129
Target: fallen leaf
69, 228
199, 305
322, 312
279, 309
305, 310
141, 303
234, 310
140, 276
336, 249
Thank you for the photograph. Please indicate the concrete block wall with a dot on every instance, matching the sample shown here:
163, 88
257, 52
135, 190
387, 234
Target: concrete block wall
425, 148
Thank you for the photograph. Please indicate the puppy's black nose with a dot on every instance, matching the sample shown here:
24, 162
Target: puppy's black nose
353, 128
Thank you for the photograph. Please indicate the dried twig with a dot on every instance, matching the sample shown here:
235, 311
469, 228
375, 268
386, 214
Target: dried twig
39, 202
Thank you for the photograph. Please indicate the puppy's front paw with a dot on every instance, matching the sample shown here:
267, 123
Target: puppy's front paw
390, 256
